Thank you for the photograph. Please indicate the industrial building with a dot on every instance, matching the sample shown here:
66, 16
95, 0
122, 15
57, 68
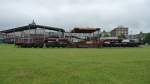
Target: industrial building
120, 30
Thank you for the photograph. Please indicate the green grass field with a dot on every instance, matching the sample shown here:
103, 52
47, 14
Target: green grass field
74, 66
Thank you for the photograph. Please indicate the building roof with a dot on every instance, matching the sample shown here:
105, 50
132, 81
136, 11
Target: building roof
85, 30
31, 26
120, 28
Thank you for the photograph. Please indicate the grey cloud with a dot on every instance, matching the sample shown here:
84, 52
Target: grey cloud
71, 13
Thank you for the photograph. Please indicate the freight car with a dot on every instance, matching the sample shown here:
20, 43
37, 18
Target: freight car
119, 43
42, 42
88, 44
57, 42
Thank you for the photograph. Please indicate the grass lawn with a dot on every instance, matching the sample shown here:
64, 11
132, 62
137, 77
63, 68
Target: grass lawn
74, 66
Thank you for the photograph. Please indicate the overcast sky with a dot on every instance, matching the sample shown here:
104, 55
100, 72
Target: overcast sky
67, 14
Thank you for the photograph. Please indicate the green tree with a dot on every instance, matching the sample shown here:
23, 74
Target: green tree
106, 35
122, 36
147, 38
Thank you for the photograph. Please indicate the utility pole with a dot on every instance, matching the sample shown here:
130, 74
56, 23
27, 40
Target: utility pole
98, 37
14, 37
29, 35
